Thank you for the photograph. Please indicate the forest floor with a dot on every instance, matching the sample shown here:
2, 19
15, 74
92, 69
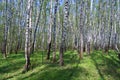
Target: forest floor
96, 66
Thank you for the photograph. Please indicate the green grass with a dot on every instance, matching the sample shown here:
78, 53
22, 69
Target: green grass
96, 66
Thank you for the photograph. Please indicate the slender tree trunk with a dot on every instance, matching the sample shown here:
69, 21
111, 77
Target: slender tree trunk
111, 24
4, 49
19, 29
28, 36
49, 39
54, 31
64, 32
36, 27
81, 31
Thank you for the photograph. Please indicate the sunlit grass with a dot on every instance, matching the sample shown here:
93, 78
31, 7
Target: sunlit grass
96, 66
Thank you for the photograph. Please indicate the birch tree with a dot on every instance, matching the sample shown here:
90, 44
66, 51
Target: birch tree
64, 32
54, 31
28, 36
36, 26
50, 31
81, 44
4, 49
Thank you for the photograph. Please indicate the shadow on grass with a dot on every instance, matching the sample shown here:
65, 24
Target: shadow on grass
53, 71
71, 58
106, 65
58, 73
112, 68
114, 57
11, 65
97, 67
49, 72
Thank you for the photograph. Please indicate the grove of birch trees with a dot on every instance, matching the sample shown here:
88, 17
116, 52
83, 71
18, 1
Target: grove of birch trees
58, 25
